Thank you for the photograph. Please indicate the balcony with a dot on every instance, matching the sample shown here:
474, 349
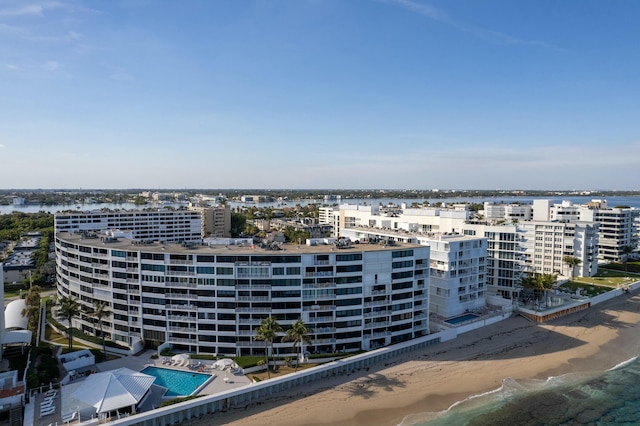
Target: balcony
255, 310
181, 318
249, 321
378, 324
179, 273
252, 344
180, 285
317, 308
180, 262
253, 299
182, 307
377, 314
376, 303
182, 329
179, 340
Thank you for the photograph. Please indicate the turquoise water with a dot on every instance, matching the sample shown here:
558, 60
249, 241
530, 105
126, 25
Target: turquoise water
609, 398
461, 318
178, 383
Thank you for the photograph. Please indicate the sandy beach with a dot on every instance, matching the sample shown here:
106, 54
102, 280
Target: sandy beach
433, 379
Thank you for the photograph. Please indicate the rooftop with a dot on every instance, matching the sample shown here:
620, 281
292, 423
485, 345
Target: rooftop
102, 241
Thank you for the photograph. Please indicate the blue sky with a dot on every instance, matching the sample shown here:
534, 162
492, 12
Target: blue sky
320, 94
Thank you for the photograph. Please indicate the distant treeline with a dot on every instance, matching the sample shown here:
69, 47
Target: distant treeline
62, 197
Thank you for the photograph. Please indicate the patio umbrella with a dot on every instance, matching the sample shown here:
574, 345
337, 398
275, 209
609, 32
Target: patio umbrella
180, 357
225, 363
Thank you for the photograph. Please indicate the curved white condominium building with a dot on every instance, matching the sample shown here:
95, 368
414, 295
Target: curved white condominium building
210, 299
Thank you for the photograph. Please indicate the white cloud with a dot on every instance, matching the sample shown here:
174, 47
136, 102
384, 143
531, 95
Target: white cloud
28, 10
2, 146
12, 67
489, 36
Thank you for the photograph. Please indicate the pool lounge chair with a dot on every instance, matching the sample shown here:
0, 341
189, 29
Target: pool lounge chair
48, 411
45, 404
70, 417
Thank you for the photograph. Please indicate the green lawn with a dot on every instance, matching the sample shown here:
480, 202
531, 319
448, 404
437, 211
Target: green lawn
586, 288
603, 281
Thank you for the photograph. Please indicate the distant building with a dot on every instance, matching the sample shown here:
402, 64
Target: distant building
22, 262
145, 225
255, 199
216, 221
618, 227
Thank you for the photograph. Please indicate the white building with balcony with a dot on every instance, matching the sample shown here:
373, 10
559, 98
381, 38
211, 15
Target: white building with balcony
618, 226
210, 299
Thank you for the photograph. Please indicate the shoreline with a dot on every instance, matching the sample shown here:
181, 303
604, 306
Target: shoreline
435, 378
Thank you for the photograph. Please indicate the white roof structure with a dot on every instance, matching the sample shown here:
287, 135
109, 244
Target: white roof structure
13, 315
111, 390
15, 324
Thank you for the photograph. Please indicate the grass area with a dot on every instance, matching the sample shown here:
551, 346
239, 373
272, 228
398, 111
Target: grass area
605, 280
282, 371
586, 289
611, 278
62, 340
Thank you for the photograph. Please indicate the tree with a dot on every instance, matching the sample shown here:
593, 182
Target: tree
626, 251
69, 308
571, 262
539, 283
268, 331
99, 312
297, 334
32, 308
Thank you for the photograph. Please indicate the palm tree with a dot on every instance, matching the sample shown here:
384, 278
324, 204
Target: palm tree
99, 312
69, 308
268, 330
571, 262
32, 308
626, 251
298, 334
539, 283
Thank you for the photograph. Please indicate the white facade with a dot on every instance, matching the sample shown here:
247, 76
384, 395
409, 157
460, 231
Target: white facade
457, 266
458, 274
548, 243
505, 257
618, 227
416, 220
210, 299
507, 212
145, 225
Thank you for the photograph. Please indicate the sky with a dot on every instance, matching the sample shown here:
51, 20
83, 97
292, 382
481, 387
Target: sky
313, 94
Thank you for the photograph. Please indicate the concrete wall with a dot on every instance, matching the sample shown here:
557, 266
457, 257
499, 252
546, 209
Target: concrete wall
223, 401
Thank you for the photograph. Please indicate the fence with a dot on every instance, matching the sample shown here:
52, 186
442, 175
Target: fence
258, 391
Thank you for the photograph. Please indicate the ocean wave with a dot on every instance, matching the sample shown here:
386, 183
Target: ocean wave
484, 403
623, 363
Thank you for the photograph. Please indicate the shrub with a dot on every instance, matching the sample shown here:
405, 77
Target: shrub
177, 400
167, 352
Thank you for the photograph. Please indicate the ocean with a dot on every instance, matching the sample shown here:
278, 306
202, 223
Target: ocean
608, 398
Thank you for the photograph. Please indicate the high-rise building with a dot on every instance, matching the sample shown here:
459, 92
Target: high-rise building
210, 299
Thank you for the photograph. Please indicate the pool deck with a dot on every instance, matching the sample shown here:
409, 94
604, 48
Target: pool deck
140, 362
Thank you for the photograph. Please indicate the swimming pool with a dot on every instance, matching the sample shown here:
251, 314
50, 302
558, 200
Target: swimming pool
461, 318
178, 383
